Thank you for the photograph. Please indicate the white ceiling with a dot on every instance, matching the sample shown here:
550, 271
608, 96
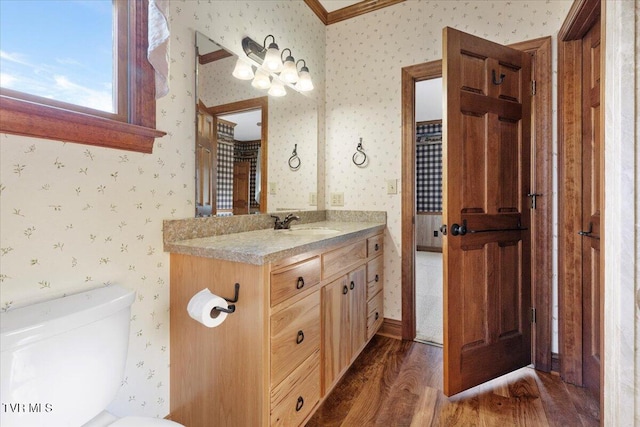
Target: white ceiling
247, 128
331, 5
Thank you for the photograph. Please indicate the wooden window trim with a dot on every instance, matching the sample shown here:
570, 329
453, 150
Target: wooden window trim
29, 118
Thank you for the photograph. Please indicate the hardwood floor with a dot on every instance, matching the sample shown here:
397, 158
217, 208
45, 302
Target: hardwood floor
399, 383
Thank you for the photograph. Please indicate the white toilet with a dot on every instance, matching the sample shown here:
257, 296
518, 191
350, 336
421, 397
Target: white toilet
63, 361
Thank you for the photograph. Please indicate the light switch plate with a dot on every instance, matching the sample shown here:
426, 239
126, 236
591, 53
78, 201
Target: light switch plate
337, 199
272, 188
313, 199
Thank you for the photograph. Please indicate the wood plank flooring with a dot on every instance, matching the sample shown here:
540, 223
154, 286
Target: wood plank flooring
399, 383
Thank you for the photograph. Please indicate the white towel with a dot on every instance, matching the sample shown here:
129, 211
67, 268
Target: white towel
158, 52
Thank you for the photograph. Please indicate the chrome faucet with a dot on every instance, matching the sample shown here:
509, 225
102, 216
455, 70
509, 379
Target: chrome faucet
285, 223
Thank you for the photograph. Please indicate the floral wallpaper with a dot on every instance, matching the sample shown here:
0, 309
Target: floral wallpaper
73, 217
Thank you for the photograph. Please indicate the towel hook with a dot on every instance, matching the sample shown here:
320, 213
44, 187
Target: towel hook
359, 150
294, 160
496, 81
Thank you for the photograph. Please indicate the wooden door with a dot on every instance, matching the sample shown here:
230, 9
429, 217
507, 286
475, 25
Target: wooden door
241, 184
486, 165
206, 139
591, 204
336, 330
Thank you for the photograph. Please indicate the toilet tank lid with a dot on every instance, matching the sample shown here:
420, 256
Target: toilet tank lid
38, 321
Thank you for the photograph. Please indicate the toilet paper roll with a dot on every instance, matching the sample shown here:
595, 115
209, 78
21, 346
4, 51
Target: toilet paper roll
200, 307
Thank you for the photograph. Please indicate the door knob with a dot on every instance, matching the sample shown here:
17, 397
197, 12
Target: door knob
459, 230
443, 229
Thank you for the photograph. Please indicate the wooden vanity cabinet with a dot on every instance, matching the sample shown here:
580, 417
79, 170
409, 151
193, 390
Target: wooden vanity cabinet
299, 324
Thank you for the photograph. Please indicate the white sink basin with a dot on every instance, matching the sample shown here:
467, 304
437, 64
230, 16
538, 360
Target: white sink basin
312, 231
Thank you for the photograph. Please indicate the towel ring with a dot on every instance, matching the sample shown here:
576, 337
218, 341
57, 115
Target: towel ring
359, 150
294, 160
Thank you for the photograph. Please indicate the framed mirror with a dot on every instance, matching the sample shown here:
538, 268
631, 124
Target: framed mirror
244, 139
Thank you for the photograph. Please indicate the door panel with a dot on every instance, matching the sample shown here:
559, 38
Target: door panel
591, 202
487, 266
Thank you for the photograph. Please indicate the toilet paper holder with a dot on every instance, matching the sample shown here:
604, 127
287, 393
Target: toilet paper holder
231, 308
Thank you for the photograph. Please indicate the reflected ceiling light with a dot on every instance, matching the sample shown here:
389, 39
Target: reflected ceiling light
304, 78
289, 71
261, 80
243, 70
277, 89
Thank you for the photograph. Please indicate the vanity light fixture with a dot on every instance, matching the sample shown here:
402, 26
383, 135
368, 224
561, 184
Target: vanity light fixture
289, 70
266, 63
304, 78
243, 70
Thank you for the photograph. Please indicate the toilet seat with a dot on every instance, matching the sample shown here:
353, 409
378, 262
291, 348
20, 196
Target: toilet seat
144, 422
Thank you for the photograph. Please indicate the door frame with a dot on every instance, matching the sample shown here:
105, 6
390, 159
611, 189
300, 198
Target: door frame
542, 182
580, 19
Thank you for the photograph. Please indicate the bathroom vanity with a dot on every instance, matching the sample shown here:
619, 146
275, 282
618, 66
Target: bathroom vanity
310, 299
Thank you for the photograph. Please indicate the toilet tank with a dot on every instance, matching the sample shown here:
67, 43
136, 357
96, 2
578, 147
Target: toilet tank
63, 360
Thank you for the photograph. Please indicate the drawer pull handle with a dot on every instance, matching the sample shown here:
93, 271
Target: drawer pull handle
345, 290
377, 278
299, 403
376, 247
377, 315
300, 337
352, 285
300, 283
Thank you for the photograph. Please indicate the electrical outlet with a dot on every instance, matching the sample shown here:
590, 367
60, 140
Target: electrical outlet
392, 186
337, 199
313, 199
272, 188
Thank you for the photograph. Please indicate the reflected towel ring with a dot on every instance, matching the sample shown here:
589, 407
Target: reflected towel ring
359, 150
294, 160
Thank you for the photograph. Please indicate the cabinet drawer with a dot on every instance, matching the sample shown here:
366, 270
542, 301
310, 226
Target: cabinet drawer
337, 260
374, 276
294, 399
374, 245
293, 279
295, 334
375, 314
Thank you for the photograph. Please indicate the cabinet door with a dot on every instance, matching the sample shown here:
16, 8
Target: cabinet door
336, 330
357, 309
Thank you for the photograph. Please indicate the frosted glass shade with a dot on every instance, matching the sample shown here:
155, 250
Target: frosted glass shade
272, 61
242, 70
304, 81
277, 89
261, 80
289, 71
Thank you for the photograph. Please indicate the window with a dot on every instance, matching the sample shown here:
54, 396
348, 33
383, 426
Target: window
120, 114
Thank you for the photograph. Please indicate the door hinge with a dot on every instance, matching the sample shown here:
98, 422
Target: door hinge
533, 315
533, 87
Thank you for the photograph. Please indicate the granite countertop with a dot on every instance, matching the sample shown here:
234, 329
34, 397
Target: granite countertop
264, 246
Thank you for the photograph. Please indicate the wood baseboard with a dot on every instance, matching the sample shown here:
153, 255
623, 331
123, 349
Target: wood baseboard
391, 328
428, 248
